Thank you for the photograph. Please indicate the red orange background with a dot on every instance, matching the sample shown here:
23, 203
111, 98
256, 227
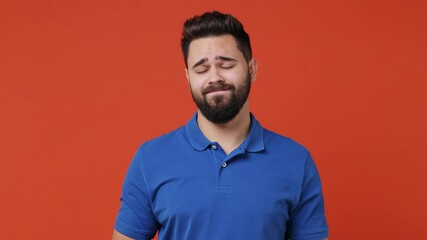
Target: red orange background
84, 83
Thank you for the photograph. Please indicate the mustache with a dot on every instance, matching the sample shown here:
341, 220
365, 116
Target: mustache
217, 87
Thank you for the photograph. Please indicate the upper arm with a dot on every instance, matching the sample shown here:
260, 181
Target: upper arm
136, 218
119, 236
308, 221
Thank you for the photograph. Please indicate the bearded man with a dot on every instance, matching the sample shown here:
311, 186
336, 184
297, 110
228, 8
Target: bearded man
222, 175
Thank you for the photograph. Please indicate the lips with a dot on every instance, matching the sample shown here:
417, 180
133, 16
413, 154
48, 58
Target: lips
217, 87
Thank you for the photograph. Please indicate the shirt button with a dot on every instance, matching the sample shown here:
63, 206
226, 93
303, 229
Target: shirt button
214, 147
224, 164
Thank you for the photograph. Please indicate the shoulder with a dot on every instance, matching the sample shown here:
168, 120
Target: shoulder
164, 141
275, 142
157, 147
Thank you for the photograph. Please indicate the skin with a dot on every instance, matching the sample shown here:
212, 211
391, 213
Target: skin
211, 60
119, 236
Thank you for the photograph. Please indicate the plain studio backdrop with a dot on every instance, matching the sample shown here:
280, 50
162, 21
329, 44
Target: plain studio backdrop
84, 83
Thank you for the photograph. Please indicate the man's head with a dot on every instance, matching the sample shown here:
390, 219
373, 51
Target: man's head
219, 66
215, 24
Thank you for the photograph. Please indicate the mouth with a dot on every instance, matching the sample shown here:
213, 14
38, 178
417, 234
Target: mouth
218, 93
217, 89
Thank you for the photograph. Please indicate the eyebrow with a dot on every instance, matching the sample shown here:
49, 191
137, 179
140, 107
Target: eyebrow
203, 60
222, 58
225, 59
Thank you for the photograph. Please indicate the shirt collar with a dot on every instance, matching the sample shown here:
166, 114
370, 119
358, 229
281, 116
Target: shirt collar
254, 142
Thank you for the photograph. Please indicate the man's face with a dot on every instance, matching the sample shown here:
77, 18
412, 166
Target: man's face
219, 77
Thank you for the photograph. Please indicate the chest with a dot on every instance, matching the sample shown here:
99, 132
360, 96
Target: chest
213, 191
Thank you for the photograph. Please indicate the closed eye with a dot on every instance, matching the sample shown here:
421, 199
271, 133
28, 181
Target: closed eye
227, 66
201, 70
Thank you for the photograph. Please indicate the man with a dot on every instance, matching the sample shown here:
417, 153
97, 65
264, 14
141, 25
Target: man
221, 176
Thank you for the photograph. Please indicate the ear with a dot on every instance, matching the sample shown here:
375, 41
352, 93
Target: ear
186, 74
253, 69
188, 78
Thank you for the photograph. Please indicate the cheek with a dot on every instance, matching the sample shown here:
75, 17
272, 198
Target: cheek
236, 79
194, 86
196, 82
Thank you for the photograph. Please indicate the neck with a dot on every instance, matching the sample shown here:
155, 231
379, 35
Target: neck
229, 135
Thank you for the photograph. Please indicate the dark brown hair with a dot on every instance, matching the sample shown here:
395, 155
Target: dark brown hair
215, 24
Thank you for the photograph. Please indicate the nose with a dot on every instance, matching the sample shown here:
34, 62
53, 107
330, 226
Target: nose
215, 76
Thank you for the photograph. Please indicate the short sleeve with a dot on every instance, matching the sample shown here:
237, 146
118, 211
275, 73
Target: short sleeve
308, 221
135, 218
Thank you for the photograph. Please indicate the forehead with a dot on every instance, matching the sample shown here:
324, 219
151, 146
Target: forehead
213, 46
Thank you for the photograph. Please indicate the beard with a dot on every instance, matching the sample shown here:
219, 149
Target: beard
222, 108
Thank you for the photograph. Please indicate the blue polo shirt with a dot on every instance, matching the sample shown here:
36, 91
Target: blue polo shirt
186, 187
